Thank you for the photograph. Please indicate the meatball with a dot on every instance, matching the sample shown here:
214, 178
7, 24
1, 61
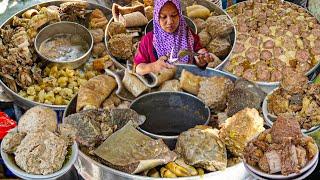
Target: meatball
250, 74
269, 44
252, 54
239, 48
97, 35
302, 56
276, 76
265, 55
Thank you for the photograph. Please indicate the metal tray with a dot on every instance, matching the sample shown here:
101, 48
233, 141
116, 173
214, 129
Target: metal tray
211, 6
269, 86
90, 169
21, 101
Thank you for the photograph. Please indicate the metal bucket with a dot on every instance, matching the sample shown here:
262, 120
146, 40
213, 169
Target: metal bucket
91, 169
169, 114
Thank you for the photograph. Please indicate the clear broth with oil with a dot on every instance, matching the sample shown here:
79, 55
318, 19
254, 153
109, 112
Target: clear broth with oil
64, 47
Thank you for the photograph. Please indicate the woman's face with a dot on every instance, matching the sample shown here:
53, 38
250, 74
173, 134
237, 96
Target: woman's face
169, 17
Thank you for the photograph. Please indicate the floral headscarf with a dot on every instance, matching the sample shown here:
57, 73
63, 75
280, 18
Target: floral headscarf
180, 39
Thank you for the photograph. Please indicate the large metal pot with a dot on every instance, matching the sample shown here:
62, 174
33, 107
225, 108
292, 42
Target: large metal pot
169, 114
90, 169
21, 101
269, 86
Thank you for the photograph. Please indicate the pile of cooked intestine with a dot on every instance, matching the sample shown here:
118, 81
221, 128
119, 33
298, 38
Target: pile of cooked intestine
106, 127
38, 145
22, 69
128, 25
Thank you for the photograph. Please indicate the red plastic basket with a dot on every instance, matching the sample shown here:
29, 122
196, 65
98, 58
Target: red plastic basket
6, 123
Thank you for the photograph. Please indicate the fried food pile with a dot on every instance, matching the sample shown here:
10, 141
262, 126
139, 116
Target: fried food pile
38, 146
220, 94
126, 30
296, 97
233, 133
283, 148
58, 85
272, 35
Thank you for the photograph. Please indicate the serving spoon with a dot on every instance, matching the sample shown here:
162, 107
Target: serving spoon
184, 52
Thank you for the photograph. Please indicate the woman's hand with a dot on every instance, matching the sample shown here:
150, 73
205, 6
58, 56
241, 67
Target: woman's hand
154, 67
204, 58
161, 64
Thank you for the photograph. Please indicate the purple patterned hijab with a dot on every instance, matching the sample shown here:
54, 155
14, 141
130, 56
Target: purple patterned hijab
180, 39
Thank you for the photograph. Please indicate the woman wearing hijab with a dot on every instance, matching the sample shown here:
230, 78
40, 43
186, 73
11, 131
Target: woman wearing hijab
170, 32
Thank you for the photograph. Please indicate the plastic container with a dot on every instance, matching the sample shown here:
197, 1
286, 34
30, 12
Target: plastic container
6, 123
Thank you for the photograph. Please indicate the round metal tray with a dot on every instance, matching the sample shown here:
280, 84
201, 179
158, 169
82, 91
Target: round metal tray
269, 86
211, 6
91, 169
21, 101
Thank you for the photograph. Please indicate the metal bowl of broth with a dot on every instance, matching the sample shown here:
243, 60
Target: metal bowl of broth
65, 43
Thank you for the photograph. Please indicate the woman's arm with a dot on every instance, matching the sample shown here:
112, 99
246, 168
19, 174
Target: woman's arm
144, 68
155, 67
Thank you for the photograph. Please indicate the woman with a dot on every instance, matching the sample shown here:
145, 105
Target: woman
169, 31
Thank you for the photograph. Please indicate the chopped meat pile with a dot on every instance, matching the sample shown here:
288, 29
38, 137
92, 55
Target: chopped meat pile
41, 152
282, 148
297, 98
38, 147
